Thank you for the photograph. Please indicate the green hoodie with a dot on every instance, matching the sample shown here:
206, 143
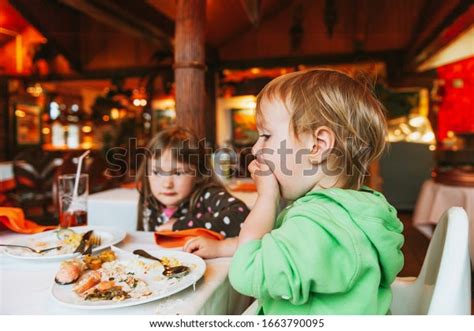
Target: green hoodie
332, 251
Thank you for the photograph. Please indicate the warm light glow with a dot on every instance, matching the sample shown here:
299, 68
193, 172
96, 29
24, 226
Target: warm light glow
19, 52
19, 113
255, 71
136, 102
114, 113
35, 90
86, 129
54, 111
405, 128
87, 145
251, 104
18, 45
414, 136
143, 102
106, 118
428, 137
46, 131
432, 148
424, 104
167, 103
417, 121
450, 134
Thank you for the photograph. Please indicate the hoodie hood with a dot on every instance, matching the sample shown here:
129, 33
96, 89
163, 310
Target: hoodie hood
378, 220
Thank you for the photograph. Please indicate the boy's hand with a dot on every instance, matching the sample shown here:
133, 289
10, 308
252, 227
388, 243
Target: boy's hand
265, 180
203, 247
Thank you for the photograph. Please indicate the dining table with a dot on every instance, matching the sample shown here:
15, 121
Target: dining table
435, 198
26, 287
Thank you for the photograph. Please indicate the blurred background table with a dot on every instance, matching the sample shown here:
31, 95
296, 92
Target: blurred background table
435, 199
26, 288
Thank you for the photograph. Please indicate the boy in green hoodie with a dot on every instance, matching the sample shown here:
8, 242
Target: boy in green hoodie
336, 248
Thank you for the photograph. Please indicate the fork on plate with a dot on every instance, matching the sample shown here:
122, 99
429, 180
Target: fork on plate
92, 242
37, 251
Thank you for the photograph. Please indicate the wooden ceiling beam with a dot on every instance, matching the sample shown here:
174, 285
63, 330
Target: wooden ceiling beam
140, 71
58, 23
424, 41
292, 61
111, 14
136, 18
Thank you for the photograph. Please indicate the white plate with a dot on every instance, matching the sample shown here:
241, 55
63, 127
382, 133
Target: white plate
160, 288
109, 236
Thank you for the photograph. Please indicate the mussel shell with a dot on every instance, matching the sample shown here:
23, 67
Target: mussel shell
66, 283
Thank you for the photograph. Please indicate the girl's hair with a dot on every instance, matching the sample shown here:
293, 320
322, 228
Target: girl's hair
324, 97
186, 148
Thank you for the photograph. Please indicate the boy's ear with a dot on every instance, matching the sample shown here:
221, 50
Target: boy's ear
324, 140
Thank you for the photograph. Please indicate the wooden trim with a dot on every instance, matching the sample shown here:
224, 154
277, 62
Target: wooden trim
191, 64
310, 60
95, 74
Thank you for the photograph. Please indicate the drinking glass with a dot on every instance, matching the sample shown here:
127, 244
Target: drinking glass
72, 208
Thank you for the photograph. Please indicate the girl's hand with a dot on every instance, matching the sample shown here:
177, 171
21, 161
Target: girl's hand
267, 184
203, 247
167, 226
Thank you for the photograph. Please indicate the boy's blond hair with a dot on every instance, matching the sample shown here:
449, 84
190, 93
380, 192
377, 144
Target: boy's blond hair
324, 97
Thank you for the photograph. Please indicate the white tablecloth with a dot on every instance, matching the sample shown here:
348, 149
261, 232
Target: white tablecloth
25, 288
435, 199
119, 207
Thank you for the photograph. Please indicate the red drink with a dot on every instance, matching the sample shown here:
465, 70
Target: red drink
73, 218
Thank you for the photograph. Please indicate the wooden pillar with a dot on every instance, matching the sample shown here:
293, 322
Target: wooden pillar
212, 81
190, 65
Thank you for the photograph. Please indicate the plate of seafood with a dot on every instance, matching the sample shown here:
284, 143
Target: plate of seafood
115, 278
63, 243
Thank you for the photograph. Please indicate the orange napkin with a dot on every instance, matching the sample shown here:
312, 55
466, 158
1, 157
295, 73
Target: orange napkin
14, 219
244, 187
170, 239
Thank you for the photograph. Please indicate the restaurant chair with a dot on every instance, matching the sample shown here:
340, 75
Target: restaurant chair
443, 285
252, 309
34, 172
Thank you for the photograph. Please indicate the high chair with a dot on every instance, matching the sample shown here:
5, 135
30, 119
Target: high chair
444, 283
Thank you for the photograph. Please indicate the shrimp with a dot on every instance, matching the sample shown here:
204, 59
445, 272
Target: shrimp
69, 272
88, 280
